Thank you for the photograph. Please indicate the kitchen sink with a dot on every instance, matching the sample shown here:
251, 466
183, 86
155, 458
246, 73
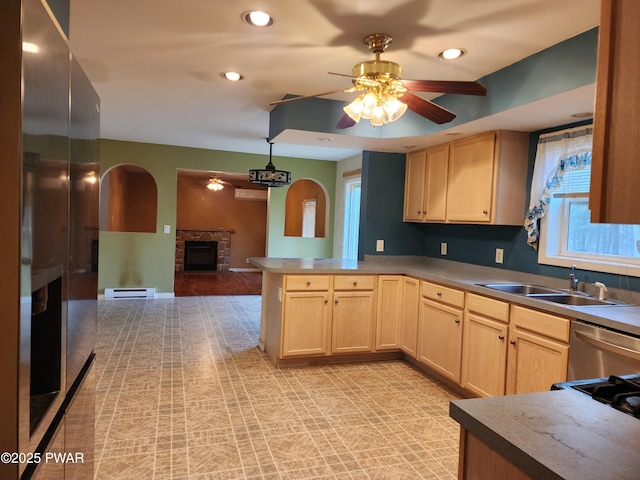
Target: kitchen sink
521, 289
547, 294
573, 300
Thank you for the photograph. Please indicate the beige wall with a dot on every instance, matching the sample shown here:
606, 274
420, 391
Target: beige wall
199, 208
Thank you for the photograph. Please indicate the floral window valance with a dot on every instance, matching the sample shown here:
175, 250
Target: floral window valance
556, 154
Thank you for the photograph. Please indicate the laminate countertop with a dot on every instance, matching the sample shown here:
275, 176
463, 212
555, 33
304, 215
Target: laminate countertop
555, 435
624, 317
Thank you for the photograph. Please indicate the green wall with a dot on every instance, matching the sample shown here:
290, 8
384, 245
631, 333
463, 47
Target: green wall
147, 259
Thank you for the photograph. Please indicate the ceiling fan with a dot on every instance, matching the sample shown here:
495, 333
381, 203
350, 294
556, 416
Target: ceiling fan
386, 96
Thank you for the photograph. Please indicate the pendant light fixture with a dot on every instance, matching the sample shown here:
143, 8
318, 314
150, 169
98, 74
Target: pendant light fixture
269, 176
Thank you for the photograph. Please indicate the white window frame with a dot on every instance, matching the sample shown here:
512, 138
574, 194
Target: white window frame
552, 250
351, 218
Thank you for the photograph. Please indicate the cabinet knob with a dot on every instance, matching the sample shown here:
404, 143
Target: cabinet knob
424, 212
484, 212
355, 283
457, 320
336, 302
418, 212
326, 301
308, 283
501, 337
512, 342
439, 294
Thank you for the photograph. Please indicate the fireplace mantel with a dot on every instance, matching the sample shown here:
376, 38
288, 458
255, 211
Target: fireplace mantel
220, 235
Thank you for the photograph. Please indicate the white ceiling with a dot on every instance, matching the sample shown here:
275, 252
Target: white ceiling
156, 63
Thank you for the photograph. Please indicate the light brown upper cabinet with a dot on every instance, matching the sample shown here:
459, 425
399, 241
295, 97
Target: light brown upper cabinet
128, 200
426, 184
614, 195
480, 179
305, 210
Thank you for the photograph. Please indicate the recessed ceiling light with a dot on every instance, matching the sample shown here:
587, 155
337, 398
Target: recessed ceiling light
325, 139
257, 18
452, 53
582, 115
232, 76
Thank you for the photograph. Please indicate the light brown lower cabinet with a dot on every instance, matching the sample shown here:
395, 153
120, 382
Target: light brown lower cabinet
538, 350
353, 322
409, 316
389, 314
484, 355
440, 338
306, 324
478, 461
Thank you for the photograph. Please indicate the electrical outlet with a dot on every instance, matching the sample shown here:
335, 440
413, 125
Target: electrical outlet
379, 245
443, 248
167, 229
499, 255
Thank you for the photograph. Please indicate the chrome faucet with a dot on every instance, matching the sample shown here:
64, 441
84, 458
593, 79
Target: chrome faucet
573, 280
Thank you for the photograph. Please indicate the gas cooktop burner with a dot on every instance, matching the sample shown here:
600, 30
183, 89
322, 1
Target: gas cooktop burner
621, 392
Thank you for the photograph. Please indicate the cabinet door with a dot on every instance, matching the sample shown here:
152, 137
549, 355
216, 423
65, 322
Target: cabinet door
435, 194
471, 177
306, 323
389, 314
410, 315
352, 322
414, 182
440, 338
535, 363
484, 356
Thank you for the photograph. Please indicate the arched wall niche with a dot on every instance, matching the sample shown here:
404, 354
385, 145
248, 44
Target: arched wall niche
128, 200
306, 208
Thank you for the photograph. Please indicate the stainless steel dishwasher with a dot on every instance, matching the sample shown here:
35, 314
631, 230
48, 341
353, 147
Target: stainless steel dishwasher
596, 352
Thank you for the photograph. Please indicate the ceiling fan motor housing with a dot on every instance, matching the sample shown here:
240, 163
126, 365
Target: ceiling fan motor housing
374, 68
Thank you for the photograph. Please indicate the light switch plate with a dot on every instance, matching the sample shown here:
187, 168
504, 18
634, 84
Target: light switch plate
499, 255
379, 245
443, 248
167, 229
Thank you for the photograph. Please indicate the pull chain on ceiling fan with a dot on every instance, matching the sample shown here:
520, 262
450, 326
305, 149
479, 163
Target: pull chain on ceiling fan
386, 97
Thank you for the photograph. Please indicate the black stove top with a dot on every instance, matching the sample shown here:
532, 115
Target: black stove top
622, 392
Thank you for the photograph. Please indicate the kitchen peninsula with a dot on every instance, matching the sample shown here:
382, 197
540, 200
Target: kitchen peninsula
535, 434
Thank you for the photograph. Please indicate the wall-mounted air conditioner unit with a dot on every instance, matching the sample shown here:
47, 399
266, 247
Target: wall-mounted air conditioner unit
250, 194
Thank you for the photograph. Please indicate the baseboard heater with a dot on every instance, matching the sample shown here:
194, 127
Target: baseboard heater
128, 293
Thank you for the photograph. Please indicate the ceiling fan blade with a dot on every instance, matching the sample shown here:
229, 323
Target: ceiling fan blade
427, 109
345, 122
445, 86
292, 99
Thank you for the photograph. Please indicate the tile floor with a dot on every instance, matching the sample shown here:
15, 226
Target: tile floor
183, 393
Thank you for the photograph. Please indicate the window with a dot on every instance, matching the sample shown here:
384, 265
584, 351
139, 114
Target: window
309, 218
568, 237
351, 218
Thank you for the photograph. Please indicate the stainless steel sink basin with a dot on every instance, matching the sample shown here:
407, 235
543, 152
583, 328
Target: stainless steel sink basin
522, 289
573, 300
548, 294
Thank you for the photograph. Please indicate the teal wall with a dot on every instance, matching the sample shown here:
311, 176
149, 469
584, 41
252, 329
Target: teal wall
147, 259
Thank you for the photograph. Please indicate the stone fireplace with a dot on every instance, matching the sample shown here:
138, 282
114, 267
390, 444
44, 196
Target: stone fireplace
221, 237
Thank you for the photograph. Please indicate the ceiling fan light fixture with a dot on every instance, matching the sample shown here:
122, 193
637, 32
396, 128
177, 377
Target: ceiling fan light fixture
257, 18
354, 109
215, 184
452, 53
394, 108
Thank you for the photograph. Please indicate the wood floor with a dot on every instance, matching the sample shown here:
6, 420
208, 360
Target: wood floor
189, 284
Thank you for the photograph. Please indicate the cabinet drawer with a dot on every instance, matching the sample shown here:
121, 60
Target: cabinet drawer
301, 283
488, 307
543, 323
353, 282
442, 294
